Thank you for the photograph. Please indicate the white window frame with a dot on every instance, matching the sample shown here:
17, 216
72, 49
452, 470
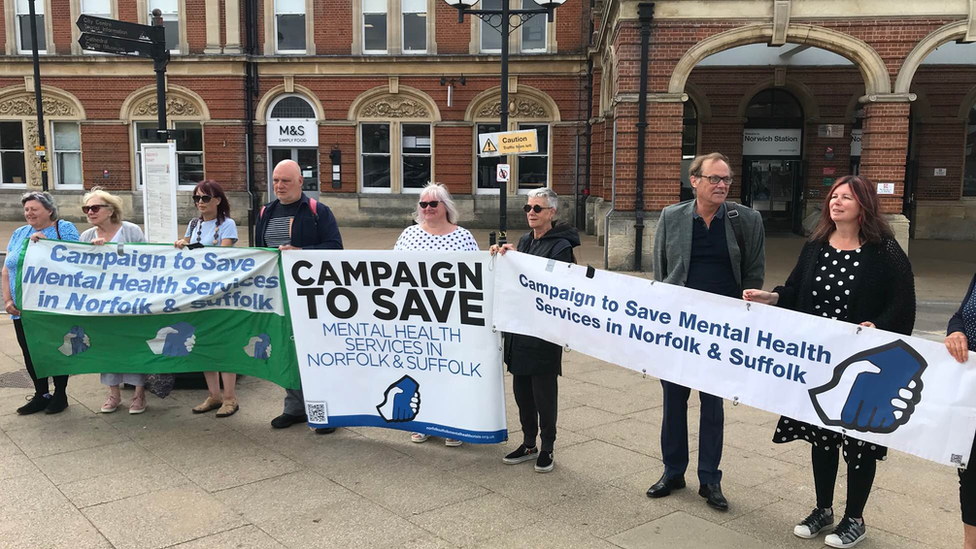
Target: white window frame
484, 26
39, 6
23, 185
548, 156
56, 154
363, 154
545, 31
106, 15
404, 155
167, 16
386, 39
403, 29
173, 124
276, 14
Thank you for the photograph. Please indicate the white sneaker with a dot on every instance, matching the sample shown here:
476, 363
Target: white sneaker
419, 437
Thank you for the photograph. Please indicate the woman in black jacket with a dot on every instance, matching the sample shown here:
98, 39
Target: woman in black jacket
960, 339
536, 364
851, 270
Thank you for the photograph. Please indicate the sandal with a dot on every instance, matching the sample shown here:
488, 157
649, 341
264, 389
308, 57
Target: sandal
229, 408
210, 404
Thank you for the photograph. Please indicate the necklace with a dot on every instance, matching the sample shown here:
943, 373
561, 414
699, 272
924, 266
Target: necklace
216, 241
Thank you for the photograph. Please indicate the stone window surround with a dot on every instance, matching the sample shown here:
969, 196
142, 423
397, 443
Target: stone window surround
535, 100
74, 7
10, 24
183, 105
270, 40
394, 24
393, 99
142, 11
515, 38
59, 107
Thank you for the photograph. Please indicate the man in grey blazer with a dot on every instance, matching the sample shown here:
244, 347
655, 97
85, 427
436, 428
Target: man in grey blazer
714, 246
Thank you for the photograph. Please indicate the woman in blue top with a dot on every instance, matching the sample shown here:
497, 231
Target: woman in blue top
214, 227
42, 222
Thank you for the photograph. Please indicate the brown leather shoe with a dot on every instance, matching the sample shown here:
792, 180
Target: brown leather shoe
229, 408
210, 404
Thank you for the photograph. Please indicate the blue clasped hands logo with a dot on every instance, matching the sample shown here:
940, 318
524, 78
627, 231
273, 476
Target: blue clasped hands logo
259, 347
401, 401
75, 342
874, 391
175, 340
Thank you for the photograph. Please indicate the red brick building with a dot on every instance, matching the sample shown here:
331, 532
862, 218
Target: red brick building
357, 91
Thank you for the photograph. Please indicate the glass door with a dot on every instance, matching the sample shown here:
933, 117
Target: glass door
308, 161
772, 192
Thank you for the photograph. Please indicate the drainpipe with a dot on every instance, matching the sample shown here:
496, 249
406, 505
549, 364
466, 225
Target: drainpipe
589, 134
645, 12
613, 200
250, 93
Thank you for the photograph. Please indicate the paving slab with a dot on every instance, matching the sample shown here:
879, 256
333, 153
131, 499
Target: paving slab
682, 531
55, 527
114, 486
606, 511
162, 519
245, 537
475, 520
549, 535
108, 459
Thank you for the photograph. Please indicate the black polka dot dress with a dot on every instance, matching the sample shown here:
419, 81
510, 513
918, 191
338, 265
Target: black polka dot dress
832, 282
415, 238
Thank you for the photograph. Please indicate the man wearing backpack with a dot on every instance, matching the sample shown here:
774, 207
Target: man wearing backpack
714, 246
295, 222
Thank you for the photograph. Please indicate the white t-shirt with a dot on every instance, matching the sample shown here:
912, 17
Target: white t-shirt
415, 238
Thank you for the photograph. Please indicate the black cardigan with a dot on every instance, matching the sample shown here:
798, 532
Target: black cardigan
957, 323
883, 291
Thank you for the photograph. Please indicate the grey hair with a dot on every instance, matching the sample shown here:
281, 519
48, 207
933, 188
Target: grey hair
439, 192
550, 196
45, 199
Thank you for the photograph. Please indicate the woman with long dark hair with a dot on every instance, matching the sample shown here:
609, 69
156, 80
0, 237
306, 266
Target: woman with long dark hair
213, 227
851, 270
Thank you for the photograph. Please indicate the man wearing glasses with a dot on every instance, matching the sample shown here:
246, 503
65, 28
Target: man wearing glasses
714, 246
295, 222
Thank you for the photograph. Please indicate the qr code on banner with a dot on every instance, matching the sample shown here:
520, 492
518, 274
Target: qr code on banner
316, 412
956, 459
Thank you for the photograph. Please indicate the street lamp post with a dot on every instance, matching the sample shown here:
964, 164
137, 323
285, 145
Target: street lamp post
504, 20
38, 100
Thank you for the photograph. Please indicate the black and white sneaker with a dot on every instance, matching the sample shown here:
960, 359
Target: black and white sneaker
521, 455
544, 463
814, 523
848, 533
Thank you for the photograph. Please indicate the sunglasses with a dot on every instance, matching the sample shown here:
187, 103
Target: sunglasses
94, 208
432, 204
537, 208
201, 198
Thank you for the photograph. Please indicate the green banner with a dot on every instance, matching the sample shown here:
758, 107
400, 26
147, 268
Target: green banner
150, 308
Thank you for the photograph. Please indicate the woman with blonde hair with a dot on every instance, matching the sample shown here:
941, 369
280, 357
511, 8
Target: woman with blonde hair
105, 212
436, 229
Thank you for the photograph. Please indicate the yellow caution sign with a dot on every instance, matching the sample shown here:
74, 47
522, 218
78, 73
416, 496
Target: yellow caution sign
502, 143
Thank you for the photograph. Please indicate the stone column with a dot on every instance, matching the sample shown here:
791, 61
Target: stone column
884, 150
232, 26
213, 28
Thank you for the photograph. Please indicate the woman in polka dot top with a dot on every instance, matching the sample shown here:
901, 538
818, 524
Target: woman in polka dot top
851, 270
436, 229
960, 340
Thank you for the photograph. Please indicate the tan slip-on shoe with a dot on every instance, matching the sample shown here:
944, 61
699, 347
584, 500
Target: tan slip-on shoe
210, 404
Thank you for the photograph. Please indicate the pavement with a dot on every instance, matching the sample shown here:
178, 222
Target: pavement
169, 478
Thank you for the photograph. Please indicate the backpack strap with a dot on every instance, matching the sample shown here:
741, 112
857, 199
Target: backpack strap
314, 205
739, 237
261, 213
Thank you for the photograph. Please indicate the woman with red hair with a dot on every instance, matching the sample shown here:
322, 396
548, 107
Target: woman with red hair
851, 270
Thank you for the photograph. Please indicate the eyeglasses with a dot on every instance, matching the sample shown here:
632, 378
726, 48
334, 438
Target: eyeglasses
94, 208
432, 204
537, 208
201, 198
715, 180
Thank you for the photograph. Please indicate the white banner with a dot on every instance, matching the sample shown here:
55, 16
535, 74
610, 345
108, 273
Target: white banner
902, 392
400, 340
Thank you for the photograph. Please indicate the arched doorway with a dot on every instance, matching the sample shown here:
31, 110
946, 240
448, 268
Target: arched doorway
293, 134
772, 150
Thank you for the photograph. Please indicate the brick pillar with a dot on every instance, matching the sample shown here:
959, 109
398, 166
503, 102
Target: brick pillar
883, 154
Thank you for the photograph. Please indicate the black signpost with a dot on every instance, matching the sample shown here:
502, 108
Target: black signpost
124, 38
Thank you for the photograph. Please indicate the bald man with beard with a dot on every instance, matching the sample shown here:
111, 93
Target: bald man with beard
295, 222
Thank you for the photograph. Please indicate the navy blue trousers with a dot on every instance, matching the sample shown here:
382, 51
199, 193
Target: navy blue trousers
674, 434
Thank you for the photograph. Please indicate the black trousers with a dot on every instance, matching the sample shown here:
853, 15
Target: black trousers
860, 478
537, 399
674, 433
967, 490
40, 385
